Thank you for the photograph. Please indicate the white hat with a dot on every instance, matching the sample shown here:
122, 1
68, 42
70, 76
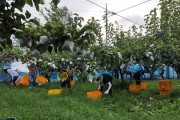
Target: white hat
40, 60
4, 67
30, 61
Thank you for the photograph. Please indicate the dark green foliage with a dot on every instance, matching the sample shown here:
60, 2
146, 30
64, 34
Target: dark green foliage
11, 19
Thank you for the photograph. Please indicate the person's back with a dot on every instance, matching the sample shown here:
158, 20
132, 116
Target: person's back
63, 74
13, 75
70, 72
103, 80
137, 76
107, 78
12, 72
32, 69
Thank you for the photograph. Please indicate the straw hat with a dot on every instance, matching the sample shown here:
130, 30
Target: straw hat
30, 61
4, 67
40, 60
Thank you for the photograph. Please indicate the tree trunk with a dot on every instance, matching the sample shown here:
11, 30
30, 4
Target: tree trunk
151, 75
121, 74
178, 75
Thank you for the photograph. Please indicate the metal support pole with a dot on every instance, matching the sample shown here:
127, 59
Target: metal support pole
106, 25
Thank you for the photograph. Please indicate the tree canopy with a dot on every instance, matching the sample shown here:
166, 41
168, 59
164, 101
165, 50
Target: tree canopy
155, 43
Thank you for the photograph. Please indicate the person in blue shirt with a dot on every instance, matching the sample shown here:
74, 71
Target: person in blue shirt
13, 76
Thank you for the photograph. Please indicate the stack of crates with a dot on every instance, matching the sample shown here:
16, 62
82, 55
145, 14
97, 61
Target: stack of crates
165, 87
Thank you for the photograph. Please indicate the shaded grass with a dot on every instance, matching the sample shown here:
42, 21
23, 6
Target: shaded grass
34, 104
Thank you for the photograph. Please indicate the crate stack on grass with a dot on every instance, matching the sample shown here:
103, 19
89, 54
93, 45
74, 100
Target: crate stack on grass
54, 91
165, 87
138, 88
42, 80
94, 94
24, 80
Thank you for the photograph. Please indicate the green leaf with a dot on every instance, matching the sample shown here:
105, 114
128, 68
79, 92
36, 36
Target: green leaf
22, 16
56, 2
20, 35
19, 8
28, 14
29, 2
42, 2
36, 3
1, 47
34, 21
20, 3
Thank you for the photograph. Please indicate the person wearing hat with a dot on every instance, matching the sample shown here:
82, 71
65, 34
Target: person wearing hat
39, 64
70, 72
33, 73
63, 77
13, 76
102, 80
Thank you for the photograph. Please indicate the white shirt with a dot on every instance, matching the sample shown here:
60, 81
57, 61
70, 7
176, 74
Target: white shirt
12, 73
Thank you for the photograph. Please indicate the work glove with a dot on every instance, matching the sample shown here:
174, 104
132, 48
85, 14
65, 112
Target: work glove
63, 79
99, 87
106, 92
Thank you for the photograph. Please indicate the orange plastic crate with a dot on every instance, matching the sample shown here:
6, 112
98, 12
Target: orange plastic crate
54, 91
165, 85
24, 80
94, 94
17, 84
41, 79
72, 82
165, 92
144, 85
135, 88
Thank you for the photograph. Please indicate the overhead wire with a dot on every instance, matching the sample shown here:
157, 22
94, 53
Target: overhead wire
85, 10
115, 13
112, 13
133, 6
129, 8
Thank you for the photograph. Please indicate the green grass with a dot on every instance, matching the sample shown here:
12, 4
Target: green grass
35, 104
